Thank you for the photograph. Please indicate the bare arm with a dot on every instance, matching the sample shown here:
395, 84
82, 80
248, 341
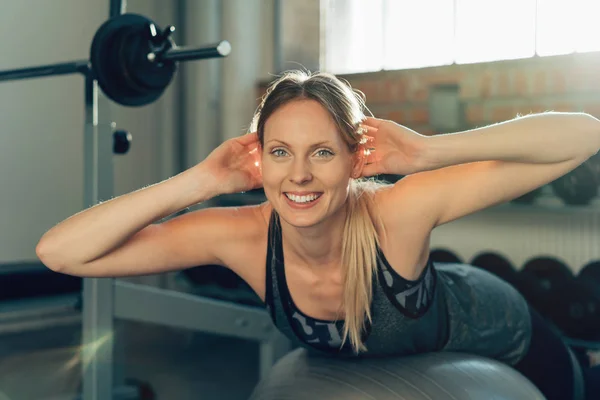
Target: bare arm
549, 138
119, 237
469, 171
120, 225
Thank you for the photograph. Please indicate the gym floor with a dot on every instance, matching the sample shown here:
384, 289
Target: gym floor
177, 365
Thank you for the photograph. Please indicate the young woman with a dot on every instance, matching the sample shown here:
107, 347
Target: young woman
341, 262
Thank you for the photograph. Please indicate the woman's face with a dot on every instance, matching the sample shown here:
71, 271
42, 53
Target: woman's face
306, 165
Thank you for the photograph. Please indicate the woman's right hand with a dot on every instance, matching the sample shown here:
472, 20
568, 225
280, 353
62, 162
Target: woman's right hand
235, 164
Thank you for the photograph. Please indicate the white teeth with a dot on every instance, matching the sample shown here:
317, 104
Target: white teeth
302, 199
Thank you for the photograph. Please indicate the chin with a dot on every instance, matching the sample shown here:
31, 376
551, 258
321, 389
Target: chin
300, 221
304, 215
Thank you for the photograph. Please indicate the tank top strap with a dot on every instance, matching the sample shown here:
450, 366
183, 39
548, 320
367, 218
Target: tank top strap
275, 300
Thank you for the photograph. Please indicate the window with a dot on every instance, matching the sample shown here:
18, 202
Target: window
373, 35
418, 33
494, 30
567, 26
353, 37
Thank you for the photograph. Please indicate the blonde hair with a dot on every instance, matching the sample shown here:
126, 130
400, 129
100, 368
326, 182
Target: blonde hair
359, 256
359, 245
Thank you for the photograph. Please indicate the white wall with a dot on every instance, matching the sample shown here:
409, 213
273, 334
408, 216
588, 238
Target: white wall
221, 95
300, 34
41, 128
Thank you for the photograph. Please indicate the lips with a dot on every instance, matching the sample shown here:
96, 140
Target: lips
303, 195
302, 199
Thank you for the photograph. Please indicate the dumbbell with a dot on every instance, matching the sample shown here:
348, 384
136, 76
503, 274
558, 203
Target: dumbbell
497, 265
528, 198
579, 186
571, 304
577, 310
550, 272
589, 279
594, 164
590, 274
444, 256
542, 281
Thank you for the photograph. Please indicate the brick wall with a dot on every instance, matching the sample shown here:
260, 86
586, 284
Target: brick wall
489, 92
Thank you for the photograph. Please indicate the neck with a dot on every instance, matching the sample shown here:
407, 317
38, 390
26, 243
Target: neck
316, 246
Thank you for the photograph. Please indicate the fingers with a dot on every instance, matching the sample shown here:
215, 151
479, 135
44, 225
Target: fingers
368, 135
368, 141
363, 129
248, 138
250, 141
373, 122
373, 162
367, 151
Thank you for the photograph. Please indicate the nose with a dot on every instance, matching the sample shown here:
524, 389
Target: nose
300, 172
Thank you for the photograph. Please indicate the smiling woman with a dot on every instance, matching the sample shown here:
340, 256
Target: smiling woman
308, 129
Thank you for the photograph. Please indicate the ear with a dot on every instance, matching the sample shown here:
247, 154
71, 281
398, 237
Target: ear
358, 161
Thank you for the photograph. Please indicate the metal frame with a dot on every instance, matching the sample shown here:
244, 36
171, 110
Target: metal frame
105, 299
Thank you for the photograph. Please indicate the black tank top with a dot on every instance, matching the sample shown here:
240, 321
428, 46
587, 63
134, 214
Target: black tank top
394, 296
450, 307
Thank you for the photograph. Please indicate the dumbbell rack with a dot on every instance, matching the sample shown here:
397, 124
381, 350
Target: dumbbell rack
107, 299
521, 232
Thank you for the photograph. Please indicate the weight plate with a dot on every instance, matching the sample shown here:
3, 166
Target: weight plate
108, 66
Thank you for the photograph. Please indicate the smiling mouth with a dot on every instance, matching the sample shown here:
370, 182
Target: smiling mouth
304, 199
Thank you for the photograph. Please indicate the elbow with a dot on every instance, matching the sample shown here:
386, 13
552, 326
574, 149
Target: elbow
593, 129
49, 258
41, 252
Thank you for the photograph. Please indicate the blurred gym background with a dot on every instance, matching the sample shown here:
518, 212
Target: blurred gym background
435, 66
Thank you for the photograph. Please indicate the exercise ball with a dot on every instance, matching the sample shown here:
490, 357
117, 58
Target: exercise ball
453, 376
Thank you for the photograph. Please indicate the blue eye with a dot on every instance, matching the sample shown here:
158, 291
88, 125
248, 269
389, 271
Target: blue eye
278, 152
324, 153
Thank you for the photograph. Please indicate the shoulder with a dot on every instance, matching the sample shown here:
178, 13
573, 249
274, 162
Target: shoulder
400, 204
392, 205
403, 229
225, 232
249, 224
244, 225
242, 242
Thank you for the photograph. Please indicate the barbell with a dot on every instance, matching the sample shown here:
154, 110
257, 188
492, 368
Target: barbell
134, 60
131, 58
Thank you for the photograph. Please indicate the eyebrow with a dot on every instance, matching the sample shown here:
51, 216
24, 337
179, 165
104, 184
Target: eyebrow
326, 142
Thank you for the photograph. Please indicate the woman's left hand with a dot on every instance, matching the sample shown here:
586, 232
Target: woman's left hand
391, 148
